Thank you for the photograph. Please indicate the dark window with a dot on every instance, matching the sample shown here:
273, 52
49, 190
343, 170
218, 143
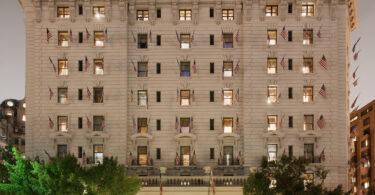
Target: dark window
158, 153
212, 153
142, 69
185, 69
158, 40
212, 40
80, 9
290, 93
290, 121
366, 121
142, 125
79, 122
80, 152
16, 141
80, 37
211, 12
23, 142
290, 36
158, 13
290, 150
158, 125
309, 153
158, 96
80, 65
62, 150
158, 68
142, 41
290, 64
290, 8
212, 96
212, 124
98, 95
98, 123
212, 68
79, 94
228, 40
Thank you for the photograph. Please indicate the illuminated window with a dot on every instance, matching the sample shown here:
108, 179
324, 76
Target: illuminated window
307, 94
63, 12
228, 68
98, 11
185, 97
142, 98
272, 37
228, 40
142, 125
228, 155
272, 65
99, 38
62, 95
228, 97
185, 125
24, 105
185, 155
228, 125
272, 94
185, 41
309, 153
185, 69
98, 123
308, 178
142, 155
307, 65
272, 122
98, 95
272, 10
142, 41
98, 66
308, 37
63, 38
23, 118
63, 67
62, 150
308, 122
307, 9
98, 153
228, 14
142, 15
366, 185
142, 69
62, 122
185, 14
272, 152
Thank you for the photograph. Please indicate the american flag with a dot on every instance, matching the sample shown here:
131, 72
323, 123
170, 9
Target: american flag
134, 39
102, 96
84, 159
88, 35
193, 96
221, 159
354, 102
222, 122
237, 37
192, 37
150, 36
191, 123
355, 44
281, 121
134, 123
282, 63
195, 66
222, 95
161, 186
134, 67
178, 37
49, 156
222, 35
237, 68
355, 57
237, 123
238, 95
131, 95
149, 159
355, 110
321, 122
88, 122
49, 35
212, 182
106, 35
51, 124
322, 156
194, 158
323, 92
177, 160
354, 73
355, 83
50, 93
176, 125
177, 94
103, 124
53, 65
88, 93
71, 35
131, 158
87, 63
323, 62
319, 34
278, 97
283, 33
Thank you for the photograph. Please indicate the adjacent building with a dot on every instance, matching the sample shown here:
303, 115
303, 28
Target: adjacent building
183, 87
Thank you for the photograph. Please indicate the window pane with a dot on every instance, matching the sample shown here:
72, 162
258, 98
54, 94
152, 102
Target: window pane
62, 123
185, 125
98, 154
98, 95
272, 94
142, 98
63, 95
228, 69
272, 37
63, 67
98, 123
307, 94
185, 69
228, 97
142, 41
228, 125
142, 125
271, 65
99, 67
63, 39
272, 152
228, 40
142, 155
308, 123
307, 37
99, 38
307, 65
98, 11
272, 122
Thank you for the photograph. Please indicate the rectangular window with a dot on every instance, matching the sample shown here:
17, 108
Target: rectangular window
307, 65
290, 8
98, 11
62, 150
228, 40
98, 123
228, 125
185, 125
290, 93
290, 122
80, 10
366, 121
185, 41
212, 96
63, 38
62, 122
271, 93
142, 41
142, 97
80, 65
212, 40
272, 152
307, 94
16, 141
158, 40
307, 9
290, 64
271, 65
80, 37
63, 66
142, 69
308, 178
308, 122
98, 153
309, 153
228, 68
158, 13
63, 12
158, 68
290, 150
272, 10
212, 124
99, 38
80, 152
185, 14
272, 122
142, 155
290, 36
63, 95
212, 153
98, 66
228, 14
228, 97
142, 125
98, 95
158, 124
23, 142
228, 155
185, 69
80, 123
272, 37
158, 96
185, 97
212, 12
80, 94
142, 15
212, 68
307, 37
158, 154
185, 155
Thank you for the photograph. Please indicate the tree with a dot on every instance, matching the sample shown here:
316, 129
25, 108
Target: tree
287, 175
